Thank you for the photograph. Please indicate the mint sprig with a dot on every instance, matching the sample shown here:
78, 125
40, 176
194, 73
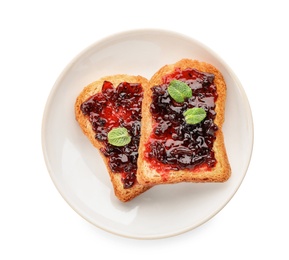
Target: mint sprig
179, 90
194, 115
119, 136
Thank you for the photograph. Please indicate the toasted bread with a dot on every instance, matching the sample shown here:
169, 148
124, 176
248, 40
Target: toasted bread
148, 173
122, 193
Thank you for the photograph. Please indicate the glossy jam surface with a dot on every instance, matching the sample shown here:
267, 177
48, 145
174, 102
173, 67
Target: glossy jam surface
174, 144
117, 107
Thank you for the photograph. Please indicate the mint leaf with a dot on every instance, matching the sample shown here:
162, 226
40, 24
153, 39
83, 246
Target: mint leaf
119, 136
179, 90
194, 115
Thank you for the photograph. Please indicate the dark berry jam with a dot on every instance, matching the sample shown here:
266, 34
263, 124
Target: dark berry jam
174, 144
117, 107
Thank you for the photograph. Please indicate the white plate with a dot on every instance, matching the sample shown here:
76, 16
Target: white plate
78, 171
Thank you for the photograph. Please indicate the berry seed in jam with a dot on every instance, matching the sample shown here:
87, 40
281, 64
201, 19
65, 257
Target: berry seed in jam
117, 107
174, 144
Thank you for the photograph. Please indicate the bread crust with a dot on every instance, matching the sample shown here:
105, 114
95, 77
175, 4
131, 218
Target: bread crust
222, 171
86, 127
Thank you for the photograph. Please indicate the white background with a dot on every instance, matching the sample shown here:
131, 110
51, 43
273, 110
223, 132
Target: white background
39, 38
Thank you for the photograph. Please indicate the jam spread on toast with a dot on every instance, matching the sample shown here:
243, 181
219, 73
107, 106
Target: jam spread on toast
117, 107
174, 144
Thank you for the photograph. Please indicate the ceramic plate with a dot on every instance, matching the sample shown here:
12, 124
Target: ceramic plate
77, 170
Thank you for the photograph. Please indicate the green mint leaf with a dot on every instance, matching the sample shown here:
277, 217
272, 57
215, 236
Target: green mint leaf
194, 115
119, 136
179, 90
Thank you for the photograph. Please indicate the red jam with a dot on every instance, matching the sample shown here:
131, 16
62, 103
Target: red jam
117, 107
174, 144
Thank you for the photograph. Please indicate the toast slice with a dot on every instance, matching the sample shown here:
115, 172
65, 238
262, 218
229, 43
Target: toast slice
171, 150
112, 102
